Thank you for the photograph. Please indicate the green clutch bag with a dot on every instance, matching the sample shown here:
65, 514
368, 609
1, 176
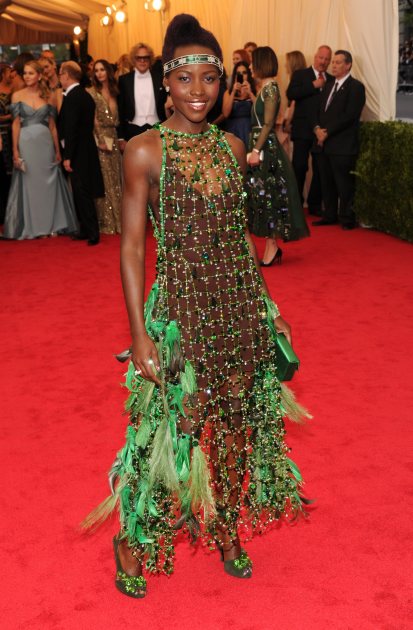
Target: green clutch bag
287, 361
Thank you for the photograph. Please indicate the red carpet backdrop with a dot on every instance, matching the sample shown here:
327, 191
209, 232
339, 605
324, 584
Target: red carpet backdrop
348, 296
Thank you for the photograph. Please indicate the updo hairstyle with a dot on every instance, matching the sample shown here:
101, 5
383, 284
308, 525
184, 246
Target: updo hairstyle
184, 30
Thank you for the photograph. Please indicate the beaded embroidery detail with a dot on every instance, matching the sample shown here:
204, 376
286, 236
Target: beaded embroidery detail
206, 449
197, 59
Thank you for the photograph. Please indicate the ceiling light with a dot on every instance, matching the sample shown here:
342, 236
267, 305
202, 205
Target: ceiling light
107, 20
120, 16
77, 30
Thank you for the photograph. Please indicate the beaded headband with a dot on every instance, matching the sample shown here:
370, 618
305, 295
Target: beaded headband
187, 60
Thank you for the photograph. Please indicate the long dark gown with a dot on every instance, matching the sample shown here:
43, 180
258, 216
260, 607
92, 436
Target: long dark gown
206, 449
40, 201
274, 203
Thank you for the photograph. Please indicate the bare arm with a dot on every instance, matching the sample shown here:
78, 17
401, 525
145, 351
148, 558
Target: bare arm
15, 129
228, 102
53, 131
138, 172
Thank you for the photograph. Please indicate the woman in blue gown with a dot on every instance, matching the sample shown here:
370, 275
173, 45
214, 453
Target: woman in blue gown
40, 202
238, 101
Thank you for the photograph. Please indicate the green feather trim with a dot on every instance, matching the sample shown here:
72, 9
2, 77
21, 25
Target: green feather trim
272, 313
143, 433
172, 342
175, 398
105, 509
144, 398
126, 454
130, 377
100, 513
183, 457
294, 470
200, 485
188, 379
162, 462
291, 408
150, 303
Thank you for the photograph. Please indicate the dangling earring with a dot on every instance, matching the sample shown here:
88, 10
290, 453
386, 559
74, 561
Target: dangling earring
167, 88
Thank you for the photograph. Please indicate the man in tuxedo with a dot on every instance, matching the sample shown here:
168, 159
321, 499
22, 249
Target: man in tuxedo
305, 89
142, 96
80, 157
336, 128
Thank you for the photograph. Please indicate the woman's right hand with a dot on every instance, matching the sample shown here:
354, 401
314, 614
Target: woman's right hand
145, 359
16, 159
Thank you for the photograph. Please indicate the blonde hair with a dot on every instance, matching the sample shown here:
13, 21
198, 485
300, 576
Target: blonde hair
135, 49
124, 66
43, 87
295, 61
49, 60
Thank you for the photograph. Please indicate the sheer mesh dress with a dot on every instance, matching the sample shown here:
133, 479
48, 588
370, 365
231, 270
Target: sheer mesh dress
206, 450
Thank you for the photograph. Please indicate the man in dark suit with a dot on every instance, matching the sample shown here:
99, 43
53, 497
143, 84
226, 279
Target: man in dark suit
80, 157
142, 96
336, 128
305, 90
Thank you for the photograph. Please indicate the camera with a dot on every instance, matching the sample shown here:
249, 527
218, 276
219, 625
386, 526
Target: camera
240, 77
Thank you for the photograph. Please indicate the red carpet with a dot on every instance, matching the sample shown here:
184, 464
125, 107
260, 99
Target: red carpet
348, 296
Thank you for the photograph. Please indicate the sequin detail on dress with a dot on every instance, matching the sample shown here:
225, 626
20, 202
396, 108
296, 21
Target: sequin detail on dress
206, 449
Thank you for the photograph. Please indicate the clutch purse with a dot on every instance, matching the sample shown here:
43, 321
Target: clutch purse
107, 141
287, 361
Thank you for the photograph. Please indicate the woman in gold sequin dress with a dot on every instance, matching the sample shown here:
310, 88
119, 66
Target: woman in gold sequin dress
104, 92
205, 446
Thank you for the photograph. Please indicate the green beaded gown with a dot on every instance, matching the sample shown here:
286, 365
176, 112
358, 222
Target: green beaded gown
274, 203
205, 450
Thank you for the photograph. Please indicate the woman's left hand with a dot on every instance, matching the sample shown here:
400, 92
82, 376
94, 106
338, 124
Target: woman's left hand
246, 89
254, 158
281, 326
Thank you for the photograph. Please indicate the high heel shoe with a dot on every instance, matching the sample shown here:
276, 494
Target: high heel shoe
130, 585
276, 259
240, 567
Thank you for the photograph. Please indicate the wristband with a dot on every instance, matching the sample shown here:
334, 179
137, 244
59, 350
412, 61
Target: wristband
256, 150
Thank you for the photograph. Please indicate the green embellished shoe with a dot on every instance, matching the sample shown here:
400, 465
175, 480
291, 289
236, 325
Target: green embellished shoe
130, 585
240, 567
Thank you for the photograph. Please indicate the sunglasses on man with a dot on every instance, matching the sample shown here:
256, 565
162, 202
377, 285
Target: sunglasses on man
142, 58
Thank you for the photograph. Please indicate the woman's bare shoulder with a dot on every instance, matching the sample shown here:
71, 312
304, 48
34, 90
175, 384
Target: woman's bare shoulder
144, 146
18, 95
236, 144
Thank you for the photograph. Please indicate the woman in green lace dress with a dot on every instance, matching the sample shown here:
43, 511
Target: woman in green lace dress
205, 445
274, 204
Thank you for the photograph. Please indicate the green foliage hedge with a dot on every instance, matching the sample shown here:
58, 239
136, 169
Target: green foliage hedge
384, 171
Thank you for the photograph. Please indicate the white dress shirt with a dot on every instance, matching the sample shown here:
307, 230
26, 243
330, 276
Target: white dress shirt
339, 83
317, 73
70, 88
145, 106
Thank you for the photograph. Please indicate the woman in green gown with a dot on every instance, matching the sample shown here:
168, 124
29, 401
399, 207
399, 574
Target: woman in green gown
205, 445
274, 204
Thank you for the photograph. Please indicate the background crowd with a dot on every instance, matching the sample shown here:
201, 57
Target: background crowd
76, 121
405, 81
